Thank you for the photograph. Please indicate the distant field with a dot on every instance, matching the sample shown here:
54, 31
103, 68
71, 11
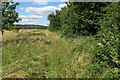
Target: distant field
41, 53
29, 27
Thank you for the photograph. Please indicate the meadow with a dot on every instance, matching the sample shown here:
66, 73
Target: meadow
37, 53
81, 41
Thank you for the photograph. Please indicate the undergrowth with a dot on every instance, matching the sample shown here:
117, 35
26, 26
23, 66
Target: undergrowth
43, 54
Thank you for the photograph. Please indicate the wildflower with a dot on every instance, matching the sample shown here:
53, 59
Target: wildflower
113, 25
100, 44
104, 40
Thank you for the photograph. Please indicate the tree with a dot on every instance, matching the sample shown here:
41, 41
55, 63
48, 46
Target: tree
107, 56
89, 14
54, 19
69, 20
109, 34
78, 18
9, 15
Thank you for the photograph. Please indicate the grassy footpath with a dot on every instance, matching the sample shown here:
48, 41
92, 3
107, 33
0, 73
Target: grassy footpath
41, 53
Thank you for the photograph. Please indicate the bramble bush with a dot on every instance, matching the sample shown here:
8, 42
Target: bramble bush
106, 56
100, 20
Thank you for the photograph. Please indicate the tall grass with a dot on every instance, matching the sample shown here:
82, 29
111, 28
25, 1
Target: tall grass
39, 54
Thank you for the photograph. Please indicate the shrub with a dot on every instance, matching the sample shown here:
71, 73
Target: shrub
106, 56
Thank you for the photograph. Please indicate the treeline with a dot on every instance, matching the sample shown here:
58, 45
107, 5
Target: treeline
98, 19
26, 27
78, 18
30, 27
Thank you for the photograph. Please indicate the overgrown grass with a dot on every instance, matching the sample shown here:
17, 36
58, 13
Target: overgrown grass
39, 54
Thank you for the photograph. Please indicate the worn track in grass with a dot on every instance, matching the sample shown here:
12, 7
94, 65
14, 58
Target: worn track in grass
41, 53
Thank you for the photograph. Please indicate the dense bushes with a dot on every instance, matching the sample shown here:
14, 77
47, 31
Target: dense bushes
108, 36
77, 18
98, 19
107, 54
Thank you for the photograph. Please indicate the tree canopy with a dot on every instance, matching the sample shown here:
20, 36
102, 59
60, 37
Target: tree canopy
100, 20
9, 15
78, 18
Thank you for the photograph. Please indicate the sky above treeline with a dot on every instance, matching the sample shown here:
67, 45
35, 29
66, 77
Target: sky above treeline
37, 11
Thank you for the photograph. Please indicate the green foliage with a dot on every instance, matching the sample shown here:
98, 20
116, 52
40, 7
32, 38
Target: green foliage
30, 27
54, 21
9, 15
83, 57
102, 20
106, 51
77, 18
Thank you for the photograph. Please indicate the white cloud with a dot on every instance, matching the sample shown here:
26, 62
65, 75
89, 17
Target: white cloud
25, 20
64, 0
29, 19
42, 10
46, 23
62, 5
37, 13
22, 8
30, 16
41, 2
34, 22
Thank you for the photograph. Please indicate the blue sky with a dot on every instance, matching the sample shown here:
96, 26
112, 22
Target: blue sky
36, 12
